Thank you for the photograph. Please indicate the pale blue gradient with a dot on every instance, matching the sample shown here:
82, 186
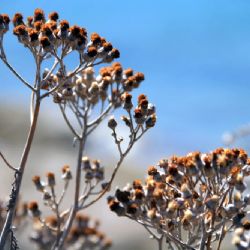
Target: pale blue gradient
195, 55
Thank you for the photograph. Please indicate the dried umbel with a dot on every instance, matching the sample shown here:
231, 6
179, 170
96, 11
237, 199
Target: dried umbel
47, 230
191, 202
93, 182
84, 234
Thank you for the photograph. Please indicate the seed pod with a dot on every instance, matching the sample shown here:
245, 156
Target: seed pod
37, 181
66, 173
86, 163
34, 209
112, 123
51, 179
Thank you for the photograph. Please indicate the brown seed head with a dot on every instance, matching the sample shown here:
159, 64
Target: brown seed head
33, 206
142, 97
64, 25
246, 225
65, 169
51, 220
128, 72
33, 34
45, 42
46, 29
39, 15
54, 16
95, 38
6, 18
107, 46
138, 113
92, 51
36, 179
38, 25
139, 77
139, 194
30, 21
137, 184
17, 19
126, 97
20, 30
51, 179
152, 170
115, 53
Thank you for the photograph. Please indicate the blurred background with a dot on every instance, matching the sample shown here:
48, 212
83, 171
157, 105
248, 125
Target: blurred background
196, 58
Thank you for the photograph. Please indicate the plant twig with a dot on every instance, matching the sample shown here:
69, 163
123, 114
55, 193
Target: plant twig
7, 163
15, 73
18, 179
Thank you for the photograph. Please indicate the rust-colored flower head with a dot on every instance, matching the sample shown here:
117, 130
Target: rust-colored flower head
66, 172
92, 51
112, 123
95, 39
34, 209
17, 19
152, 170
45, 43
107, 46
37, 181
64, 25
127, 101
53, 16
51, 221
39, 15
51, 179
115, 53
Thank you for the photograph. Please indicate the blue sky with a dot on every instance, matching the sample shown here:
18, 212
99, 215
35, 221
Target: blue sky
195, 55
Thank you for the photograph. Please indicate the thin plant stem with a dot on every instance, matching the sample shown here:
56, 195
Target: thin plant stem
7, 163
18, 178
74, 208
16, 73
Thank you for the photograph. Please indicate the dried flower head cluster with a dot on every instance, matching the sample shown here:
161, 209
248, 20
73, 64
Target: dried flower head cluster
108, 85
46, 38
241, 238
47, 230
84, 234
192, 201
85, 99
46, 35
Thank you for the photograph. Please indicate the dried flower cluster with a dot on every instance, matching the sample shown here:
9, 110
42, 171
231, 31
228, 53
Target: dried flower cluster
93, 172
46, 36
241, 238
191, 201
83, 235
85, 98
47, 231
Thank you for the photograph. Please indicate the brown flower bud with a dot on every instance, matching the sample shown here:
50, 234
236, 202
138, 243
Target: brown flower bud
112, 123
37, 181
51, 179
67, 175
33, 207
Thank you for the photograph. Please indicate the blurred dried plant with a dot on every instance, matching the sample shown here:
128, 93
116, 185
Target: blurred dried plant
191, 202
85, 99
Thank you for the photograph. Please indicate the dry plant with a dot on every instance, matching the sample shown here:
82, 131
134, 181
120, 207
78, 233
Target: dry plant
85, 99
191, 202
